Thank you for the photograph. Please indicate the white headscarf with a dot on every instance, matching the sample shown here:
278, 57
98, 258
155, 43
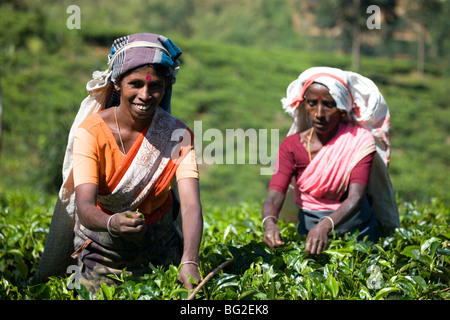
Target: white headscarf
364, 104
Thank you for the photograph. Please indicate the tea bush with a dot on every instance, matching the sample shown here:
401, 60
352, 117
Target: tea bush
412, 263
225, 86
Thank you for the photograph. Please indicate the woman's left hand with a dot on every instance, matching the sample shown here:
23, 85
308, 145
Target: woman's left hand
186, 272
317, 239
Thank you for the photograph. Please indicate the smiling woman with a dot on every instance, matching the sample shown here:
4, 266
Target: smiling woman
122, 170
141, 92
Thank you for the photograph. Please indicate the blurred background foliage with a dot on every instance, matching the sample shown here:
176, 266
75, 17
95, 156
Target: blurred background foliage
238, 58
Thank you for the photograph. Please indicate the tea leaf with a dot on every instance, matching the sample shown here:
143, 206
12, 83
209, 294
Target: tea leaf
332, 286
412, 252
384, 292
107, 291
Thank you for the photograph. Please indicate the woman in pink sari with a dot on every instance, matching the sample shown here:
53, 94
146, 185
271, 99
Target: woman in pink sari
340, 129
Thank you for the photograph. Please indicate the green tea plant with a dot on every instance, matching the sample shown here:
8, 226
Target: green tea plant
411, 264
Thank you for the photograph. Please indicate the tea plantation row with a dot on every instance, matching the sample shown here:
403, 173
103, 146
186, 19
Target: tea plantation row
411, 264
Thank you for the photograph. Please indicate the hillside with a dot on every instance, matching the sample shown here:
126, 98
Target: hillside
233, 74
233, 80
224, 87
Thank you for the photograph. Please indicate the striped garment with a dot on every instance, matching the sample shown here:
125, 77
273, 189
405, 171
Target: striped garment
146, 48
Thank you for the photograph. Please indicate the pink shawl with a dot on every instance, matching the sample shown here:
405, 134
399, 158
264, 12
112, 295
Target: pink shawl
326, 179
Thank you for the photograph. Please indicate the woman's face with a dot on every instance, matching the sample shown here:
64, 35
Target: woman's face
322, 110
142, 92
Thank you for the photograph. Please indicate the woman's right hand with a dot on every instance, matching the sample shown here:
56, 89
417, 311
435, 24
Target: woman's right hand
272, 235
128, 225
271, 208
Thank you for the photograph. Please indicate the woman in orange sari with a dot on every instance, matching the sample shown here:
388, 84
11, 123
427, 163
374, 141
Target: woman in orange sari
337, 146
128, 150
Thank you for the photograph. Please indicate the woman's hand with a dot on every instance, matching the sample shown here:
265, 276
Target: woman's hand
272, 235
128, 225
317, 238
189, 271
271, 209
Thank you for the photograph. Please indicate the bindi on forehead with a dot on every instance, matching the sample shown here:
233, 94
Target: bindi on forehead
148, 77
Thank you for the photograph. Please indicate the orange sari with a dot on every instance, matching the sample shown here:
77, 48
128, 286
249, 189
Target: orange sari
141, 179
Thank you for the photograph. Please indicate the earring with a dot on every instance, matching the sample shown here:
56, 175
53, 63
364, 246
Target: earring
343, 115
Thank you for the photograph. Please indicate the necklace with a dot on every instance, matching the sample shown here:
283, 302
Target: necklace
309, 140
118, 129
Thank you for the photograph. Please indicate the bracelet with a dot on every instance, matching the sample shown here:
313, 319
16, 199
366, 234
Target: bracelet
264, 220
107, 226
332, 222
190, 262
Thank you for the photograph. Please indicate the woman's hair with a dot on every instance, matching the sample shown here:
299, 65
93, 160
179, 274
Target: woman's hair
160, 70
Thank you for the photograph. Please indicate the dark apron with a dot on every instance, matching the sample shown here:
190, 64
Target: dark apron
363, 221
102, 255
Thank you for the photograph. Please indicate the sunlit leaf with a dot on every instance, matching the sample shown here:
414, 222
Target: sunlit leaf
332, 286
412, 252
384, 292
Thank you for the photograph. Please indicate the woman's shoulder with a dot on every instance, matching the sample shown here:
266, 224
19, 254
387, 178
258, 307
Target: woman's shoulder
168, 117
292, 144
292, 138
91, 121
93, 127
362, 132
357, 131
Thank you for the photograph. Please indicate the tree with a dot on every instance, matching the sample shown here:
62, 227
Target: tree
356, 45
421, 15
350, 17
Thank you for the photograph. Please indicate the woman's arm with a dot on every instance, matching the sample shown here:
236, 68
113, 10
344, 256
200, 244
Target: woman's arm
192, 218
129, 225
317, 239
271, 208
289, 160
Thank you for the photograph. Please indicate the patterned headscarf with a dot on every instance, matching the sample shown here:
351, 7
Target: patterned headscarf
127, 53
139, 49
132, 51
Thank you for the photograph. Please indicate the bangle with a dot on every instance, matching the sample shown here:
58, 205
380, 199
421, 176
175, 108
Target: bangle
107, 226
264, 220
332, 222
189, 262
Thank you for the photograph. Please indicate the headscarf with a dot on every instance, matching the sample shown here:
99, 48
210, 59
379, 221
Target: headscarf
365, 106
132, 51
127, 53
